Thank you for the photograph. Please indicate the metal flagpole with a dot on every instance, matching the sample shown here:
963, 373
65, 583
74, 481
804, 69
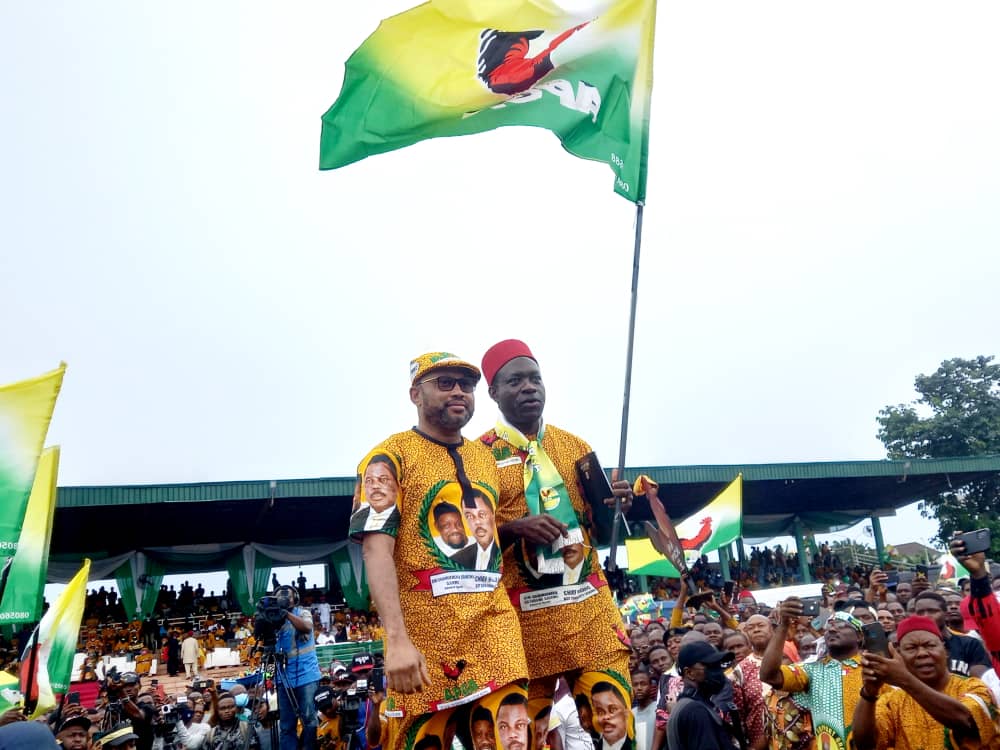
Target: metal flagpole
623, 440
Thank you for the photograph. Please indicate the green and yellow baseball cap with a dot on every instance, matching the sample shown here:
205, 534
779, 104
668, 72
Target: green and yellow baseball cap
426, 363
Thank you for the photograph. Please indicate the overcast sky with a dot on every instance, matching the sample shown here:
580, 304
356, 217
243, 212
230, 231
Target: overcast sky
821, 226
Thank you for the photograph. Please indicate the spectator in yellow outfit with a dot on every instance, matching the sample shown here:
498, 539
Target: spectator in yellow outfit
933, 709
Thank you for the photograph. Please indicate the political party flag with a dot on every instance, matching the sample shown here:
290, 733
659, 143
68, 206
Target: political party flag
951, 568
47, 661
25, 412
717, 524
22, 584
455, 67
10, 693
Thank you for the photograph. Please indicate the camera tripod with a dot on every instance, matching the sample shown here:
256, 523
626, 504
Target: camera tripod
270, 664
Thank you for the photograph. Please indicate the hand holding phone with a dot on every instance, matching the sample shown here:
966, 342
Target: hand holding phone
810, 606
974, 541
876, 639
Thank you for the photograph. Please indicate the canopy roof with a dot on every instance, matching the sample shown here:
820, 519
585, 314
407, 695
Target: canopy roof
194, 527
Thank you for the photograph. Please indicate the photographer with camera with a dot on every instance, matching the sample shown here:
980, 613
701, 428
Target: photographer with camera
328, 733
140, 710
299, 677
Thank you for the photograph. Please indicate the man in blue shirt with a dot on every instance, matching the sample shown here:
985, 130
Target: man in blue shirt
300, 674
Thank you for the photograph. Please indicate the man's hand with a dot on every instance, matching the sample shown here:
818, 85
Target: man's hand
790, 610
975, 564
540, 529
620, 488
877, 669
11, 715
405, 667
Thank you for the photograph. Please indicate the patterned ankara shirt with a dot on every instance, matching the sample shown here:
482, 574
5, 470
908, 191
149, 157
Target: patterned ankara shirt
566, 625
830, 689
750, 696
458, 617
904, 724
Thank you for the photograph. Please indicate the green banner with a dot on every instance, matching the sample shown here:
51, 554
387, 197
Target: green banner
25, 412
348, 566
139, 580
24, 582
250, 573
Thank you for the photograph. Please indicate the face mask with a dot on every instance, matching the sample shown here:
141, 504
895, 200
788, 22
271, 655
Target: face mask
242, 699
715, 680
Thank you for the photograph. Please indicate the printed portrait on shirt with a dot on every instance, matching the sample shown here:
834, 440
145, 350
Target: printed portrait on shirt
377, 495
461, 522
496, 721
606, 699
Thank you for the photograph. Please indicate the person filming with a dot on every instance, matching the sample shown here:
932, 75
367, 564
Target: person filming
299, 677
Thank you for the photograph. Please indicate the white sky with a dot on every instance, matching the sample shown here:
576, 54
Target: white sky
821, 226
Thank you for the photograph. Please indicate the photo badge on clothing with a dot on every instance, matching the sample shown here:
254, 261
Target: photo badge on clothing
604, 704
498, 721
377, 495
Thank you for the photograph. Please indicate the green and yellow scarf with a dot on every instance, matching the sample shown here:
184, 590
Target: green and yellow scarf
544, 492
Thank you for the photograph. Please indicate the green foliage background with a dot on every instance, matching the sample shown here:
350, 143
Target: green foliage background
957, 414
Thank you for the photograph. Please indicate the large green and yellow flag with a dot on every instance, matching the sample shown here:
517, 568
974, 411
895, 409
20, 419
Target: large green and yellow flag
457, 67
47, 662
717, 524
25, 413
23, 582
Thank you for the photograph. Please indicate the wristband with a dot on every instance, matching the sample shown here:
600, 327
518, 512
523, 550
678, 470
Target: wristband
980, 588
866, 697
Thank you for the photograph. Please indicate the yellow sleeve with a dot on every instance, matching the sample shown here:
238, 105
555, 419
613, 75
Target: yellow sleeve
794, 679
677, 614
886, 725
979, 701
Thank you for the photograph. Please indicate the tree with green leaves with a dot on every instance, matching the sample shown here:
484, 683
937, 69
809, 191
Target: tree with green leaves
956, 415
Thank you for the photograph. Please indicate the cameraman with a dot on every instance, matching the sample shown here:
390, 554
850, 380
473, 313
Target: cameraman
138, 709
300, 675
328, 733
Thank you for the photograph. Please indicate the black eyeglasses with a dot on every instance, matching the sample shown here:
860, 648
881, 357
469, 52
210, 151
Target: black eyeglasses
446, 383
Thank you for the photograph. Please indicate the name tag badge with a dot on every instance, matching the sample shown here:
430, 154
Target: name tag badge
512, 461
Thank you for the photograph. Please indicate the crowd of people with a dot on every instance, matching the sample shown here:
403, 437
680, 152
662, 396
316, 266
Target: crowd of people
501, 633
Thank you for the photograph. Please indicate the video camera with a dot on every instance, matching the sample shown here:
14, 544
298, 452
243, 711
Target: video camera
268, 618
345, 703
165, 725
271, 614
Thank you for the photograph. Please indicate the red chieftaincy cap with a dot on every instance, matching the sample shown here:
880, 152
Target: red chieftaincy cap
916, 622
500, 354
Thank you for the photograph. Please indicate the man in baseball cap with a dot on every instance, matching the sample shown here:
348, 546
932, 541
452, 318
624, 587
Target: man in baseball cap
429, 464
425, 364
694, 722
362, 663
74, 732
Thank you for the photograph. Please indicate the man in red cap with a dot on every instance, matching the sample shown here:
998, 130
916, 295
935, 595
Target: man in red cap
451, 633
933, 708
569, 621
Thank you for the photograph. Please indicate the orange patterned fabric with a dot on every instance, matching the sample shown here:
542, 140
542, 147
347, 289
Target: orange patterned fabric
561, 637
904, 724
456, 611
